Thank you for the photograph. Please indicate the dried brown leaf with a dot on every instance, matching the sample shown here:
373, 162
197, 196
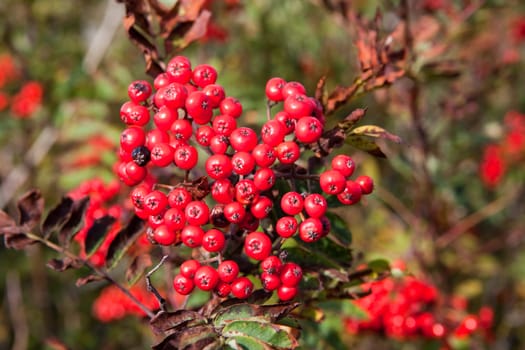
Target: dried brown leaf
18, 241
57, 217
137, 268
63, 264
30, 207
88, 279
74, 222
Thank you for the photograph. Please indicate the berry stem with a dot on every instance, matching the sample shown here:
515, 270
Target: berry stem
97, 271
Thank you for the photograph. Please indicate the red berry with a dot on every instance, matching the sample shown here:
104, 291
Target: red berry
272, 265
183, 285
156, 136
219, 144
293, 88
179, 197
175, 96
308, 129
161, 81
185, 157
198, 106
216, 94
274, 88
287, 120
366, 183
291, 274
174, 218
332, 182
191, 236
234, 212
231, 106
137, 196
273, 132
292, 203
270, 282
135, 172
315, 205
139, 91
164, 236
343, 164
243, 163
243, 139
197, 213
155, 202
189, 267
228, 270
161, 154
311, 230
261, 207
222, 191
264, 179
242, 287
138, 115
351, 194
179, 70
213, 241
286, 226
181, 129
246, 192
286, 293
264, 155
287, 152
206, 278
204, 134
257, 245
132, 138
223, 289
204, 75
224, 124
298, 106
218, 166
164, 118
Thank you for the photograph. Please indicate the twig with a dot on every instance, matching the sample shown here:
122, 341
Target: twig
96, 270
475, 218
152, 289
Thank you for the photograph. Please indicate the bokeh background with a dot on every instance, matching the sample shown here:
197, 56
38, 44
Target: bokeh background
448, 203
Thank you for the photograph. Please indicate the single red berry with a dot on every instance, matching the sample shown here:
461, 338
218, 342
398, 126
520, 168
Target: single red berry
161, 154
246, 192
155, 202
343, 164
218, 166
264, 179
264, 155
197, 213
351, 194
228, 270
164, 236
273, 132
216, 94
138, 194
181, 129
161, 81
132, 138
293, 88
286, 293
272, 265
298, 106
135, 172
175, 96
138, 115
332, 182
287, 152
222, 191
174, 218
287, 120
191, 236
286, 226
270, 282
366, 183
257, 245
189, 267
273, 89
243, 163
213, 241
156, 136
292, 203
155, 221
291, 274
311, 230
164, 118
308, 129
204, 134
231, 106
179, 197
219, 144
224, 124
234, 212
206, 278
242, 287
315, 205
223, 289
185, 157
204, 75
183, 285
139, 91
179, 70
198, 106
243, 139
262, 207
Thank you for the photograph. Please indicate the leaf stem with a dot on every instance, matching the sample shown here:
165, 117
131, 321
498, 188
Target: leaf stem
152, 289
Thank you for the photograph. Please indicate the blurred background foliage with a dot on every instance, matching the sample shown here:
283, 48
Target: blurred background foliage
431, 208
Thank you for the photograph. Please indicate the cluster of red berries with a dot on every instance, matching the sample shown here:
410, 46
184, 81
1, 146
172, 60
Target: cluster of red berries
112, 304
27, 99
100, 196
401, 308
233, 193
498, 157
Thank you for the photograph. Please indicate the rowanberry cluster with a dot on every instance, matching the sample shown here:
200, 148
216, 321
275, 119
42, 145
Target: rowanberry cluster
233, 195
403, 307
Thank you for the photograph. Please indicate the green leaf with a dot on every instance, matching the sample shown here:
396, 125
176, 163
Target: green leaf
233, 313
339, 228
266, 332
242, 342
365, 144
97, 232
123, 241
57, 216
379, 265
